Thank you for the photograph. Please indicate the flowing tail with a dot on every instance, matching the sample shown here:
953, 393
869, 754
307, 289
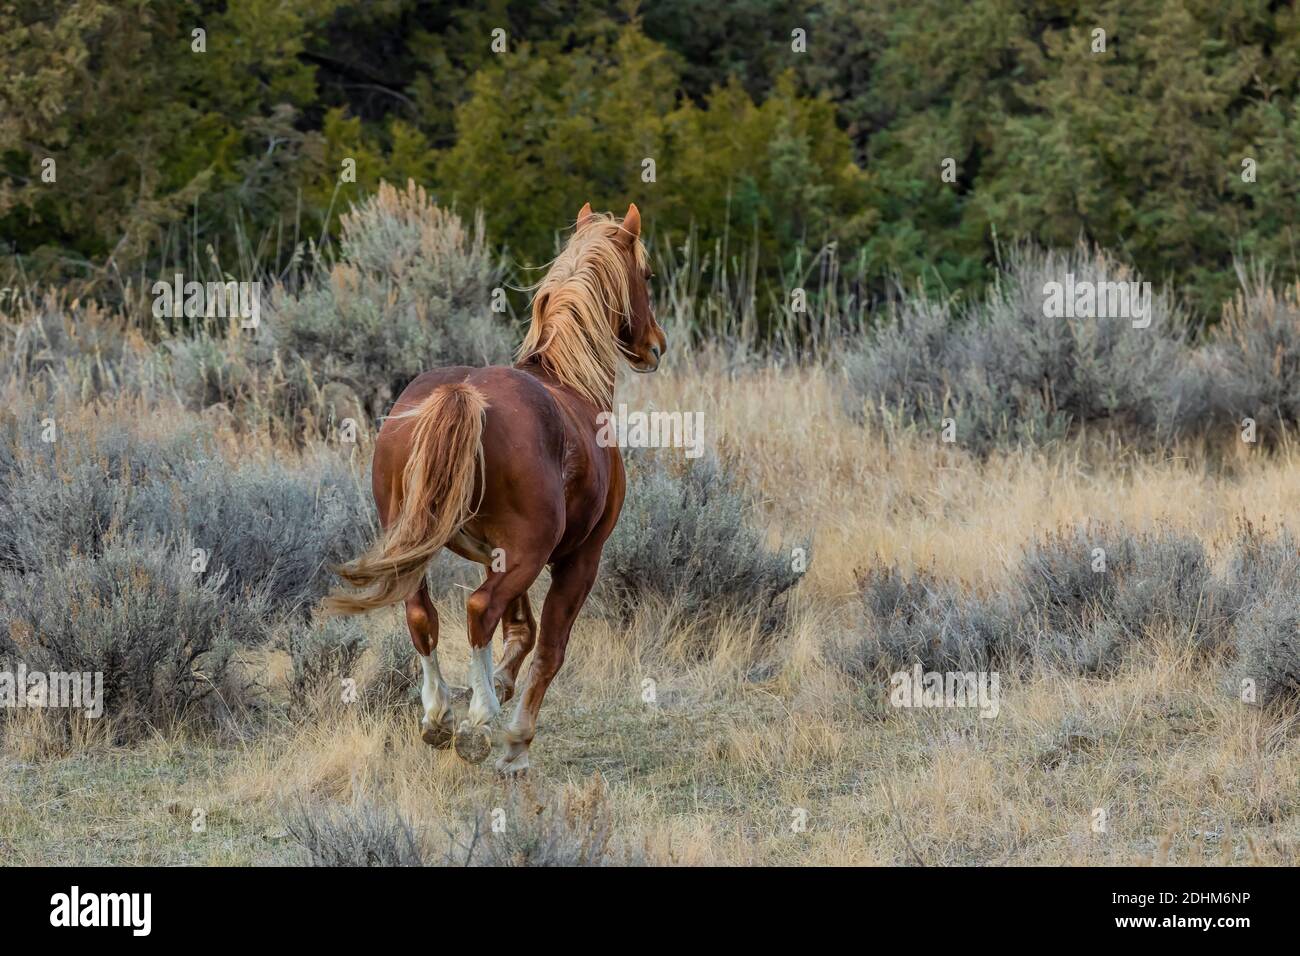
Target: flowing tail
446, 442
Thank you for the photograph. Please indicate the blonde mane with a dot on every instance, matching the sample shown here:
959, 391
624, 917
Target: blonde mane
577, 309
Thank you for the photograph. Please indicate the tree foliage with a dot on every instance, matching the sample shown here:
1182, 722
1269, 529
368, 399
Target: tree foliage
159, 149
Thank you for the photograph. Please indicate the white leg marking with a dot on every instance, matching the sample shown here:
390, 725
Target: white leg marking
483, 707
433, 693
520, 723
519, 734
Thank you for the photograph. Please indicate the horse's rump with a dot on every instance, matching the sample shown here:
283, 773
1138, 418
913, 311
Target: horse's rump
438, 495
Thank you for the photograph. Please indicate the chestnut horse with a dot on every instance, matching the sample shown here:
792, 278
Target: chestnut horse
502, 466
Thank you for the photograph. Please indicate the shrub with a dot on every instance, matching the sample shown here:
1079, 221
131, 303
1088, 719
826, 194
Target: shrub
573, 830
362, 835
266, 526
1086, 617
1057, 609
1073, 574
909, 619
412, 290
1267, 644
322, 652
1257, 563
1169, 587
689, 536
136, 613
1007, 374
207, 370
1254, 358
61, 497
390, 674
325, 650
74, 346
1257, 597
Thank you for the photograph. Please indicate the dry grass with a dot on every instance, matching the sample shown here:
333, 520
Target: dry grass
719, 769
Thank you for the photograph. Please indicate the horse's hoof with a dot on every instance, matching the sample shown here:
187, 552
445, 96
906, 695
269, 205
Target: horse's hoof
473, 743
513, 768
438, 736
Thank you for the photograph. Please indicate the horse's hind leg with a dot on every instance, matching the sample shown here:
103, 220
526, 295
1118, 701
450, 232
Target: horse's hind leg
422, 621
483, 611
520, 635
571, 582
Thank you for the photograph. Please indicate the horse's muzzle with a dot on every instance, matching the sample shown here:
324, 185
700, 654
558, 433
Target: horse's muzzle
646, 369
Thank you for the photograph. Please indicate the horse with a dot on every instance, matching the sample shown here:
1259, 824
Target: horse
503, 466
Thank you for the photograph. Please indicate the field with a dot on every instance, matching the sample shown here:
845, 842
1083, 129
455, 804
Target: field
770, 744
987, 549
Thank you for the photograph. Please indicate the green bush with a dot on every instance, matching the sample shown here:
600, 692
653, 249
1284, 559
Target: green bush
752, 139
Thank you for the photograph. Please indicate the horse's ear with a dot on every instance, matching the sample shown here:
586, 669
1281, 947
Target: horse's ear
632, 224
584, 214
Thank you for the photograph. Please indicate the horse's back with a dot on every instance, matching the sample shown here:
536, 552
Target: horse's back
539, 452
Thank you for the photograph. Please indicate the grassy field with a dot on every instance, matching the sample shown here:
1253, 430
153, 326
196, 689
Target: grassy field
760, 749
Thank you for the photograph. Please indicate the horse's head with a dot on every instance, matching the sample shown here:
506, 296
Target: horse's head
639, 335
593, 307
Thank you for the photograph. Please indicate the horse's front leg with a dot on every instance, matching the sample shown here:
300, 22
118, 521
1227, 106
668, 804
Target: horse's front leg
571, 582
